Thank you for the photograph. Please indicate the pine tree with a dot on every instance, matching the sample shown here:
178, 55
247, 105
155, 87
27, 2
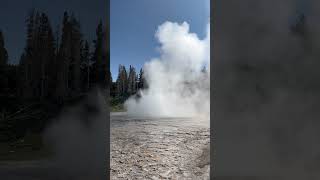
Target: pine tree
61, 88
74, 66
43, 53
136, 83
122, 81
30, 32
110, 78
50, 65
3, 65
63, 59
141, 84
105, 67
86, 64
97, 59
24, 69
3, 52
132, 81
106, 57
31, 70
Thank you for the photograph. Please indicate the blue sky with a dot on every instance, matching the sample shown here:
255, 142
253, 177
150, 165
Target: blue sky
133, 24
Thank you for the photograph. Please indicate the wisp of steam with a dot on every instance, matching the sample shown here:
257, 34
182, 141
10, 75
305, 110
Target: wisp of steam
179, 80
78, 138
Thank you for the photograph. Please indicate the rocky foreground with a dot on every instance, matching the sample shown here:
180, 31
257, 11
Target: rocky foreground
159, 148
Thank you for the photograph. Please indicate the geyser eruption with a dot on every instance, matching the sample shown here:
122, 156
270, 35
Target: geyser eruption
178, 81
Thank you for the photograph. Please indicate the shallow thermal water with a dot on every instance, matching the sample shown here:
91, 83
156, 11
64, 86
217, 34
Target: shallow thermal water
159, 148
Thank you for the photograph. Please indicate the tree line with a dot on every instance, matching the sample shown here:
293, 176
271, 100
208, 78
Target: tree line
55, 64
128, 82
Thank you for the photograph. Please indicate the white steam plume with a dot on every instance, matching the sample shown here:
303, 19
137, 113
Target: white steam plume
177, 87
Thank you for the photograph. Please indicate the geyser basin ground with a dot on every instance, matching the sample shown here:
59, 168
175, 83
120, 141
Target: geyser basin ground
158, 148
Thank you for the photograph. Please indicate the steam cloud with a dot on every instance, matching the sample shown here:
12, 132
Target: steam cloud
177, 87
78, 139
266, 80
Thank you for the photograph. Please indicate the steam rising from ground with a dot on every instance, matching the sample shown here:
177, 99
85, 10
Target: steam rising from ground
177, 87
78, 139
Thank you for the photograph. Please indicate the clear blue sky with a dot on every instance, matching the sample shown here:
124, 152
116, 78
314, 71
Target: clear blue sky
13, 14
133, 24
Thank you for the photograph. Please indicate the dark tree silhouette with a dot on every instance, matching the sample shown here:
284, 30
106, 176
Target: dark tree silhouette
132, 87
85, 65
3, 65
99, 67
55, 67
142, 81
3, 51
122, 81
